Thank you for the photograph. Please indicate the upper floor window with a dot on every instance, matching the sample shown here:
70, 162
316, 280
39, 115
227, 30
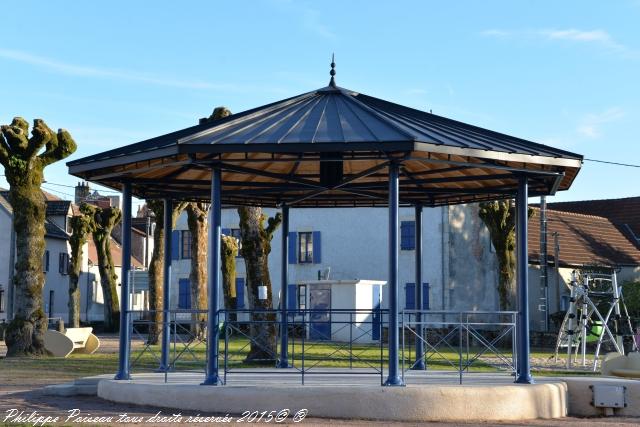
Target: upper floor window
185, 245
45, 262
63, 263
407, 235
2, 302
305, 247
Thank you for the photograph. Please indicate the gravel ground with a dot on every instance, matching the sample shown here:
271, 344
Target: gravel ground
27, 396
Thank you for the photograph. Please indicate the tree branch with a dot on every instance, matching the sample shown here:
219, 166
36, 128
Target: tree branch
272, 225
58, 148
16, 135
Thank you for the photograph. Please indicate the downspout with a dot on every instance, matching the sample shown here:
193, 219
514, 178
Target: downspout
544, 279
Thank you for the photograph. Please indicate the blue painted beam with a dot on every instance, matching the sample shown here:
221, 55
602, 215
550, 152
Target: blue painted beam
125, 337
166, 283
394, 378
215, 231
419, 364
522, 274
283, 362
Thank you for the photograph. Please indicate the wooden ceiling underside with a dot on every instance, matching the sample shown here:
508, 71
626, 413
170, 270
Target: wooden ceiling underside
271, 179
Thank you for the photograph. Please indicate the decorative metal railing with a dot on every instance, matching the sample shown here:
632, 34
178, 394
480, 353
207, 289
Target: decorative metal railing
326, 342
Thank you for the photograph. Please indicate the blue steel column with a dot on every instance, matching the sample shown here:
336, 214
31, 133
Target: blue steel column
284, 292
394, 378
522, 267
213, 331
125, 338
166, 282
419, 362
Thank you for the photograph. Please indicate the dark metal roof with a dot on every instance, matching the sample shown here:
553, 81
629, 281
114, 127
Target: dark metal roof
58, 207
272, 155
53, 231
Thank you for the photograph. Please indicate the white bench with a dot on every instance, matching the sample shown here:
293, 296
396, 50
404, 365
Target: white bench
79, 340
617, 365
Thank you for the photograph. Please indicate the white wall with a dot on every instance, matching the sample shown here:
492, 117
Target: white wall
55, 281
6, 270
354, 245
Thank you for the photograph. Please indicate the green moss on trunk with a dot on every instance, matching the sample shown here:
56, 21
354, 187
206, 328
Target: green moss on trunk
24, 159
80, 229
102, 223
500, 219
156, 266
197, 221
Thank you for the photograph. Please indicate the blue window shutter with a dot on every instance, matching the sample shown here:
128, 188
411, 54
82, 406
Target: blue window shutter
175, 244
239, 293
407, 235
425, 296
226, 231
292, 297
293, 246
317, 248
410, 296
184, 294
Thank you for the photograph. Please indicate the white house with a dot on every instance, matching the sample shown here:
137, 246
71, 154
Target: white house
56, 264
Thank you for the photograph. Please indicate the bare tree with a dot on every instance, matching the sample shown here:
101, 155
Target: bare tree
80, 228
156, 265
24, 161
102, 222
500, 219
256, 247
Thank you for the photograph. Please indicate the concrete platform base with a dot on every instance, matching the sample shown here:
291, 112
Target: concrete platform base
430, 396
479, 399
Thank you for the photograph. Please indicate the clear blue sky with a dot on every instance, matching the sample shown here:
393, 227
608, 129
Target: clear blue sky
560, 73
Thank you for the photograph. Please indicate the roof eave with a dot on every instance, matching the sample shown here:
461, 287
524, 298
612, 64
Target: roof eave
499, 155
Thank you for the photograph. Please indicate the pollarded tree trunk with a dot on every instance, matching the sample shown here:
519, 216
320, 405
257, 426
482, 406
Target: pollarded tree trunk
499, 217
80, 229
197, 221
24, 164
102, 223
256, 246
156, 266
229, 253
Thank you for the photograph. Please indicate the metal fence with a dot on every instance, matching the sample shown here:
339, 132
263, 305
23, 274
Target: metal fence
326, 342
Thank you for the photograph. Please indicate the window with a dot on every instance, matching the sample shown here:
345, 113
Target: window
185, 245
2, 303
407, 235
51, 295
410, 296
305, 247
564, 302
63, 263
302, 297
68, 222
184, 294
239, 293
45, 262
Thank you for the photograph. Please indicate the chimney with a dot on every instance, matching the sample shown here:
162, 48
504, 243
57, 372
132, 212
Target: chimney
81, 193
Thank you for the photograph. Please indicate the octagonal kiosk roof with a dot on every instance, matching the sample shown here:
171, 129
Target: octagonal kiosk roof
331, 147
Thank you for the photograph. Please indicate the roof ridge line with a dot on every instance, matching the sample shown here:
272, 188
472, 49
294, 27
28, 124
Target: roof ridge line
574, 213
595, 200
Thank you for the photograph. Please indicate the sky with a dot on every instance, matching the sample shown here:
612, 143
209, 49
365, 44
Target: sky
563, 74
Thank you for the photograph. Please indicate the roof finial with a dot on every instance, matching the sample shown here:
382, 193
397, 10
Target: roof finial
332, 82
